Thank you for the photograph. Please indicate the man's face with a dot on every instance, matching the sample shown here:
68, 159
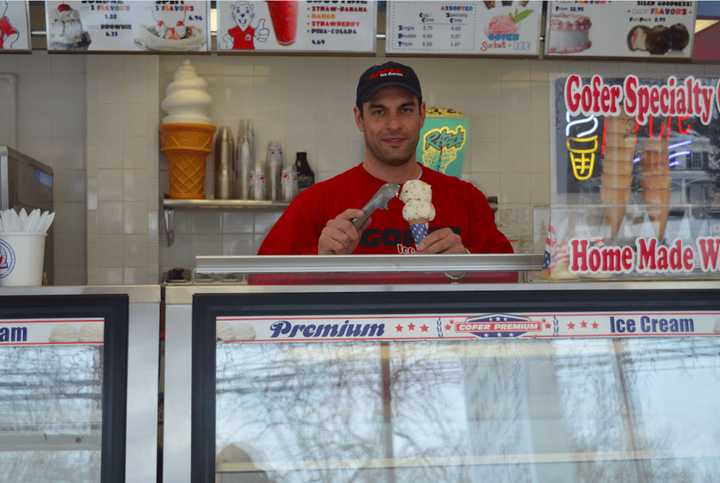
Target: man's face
391, 121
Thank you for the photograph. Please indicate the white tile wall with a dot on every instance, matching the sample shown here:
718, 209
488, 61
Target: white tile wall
306, 102
123, 170
50, 126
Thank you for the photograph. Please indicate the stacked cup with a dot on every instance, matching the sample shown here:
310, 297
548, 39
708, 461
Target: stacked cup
22, 246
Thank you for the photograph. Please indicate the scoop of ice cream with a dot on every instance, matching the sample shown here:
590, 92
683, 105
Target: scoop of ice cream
416, 189
187, 99
416, 211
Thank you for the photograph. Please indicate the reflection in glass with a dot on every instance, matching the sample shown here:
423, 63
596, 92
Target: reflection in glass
50, 413
561, 411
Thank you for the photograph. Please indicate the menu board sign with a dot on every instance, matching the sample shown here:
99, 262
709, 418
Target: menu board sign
620, 29
298, 26
123, 25
14, 31
463, 28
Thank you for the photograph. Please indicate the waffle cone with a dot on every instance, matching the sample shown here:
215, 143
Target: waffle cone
616, 181
616, 200
186, 147
620, 140
658, 208
656, 183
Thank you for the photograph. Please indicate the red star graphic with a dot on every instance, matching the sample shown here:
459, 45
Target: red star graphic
411, 326
583, 324
571, 326
398, 328
547, 326
448, 326
595, 325
424, 328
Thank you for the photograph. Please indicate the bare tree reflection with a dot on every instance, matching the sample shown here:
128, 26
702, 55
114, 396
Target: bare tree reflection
50, 413
511, 411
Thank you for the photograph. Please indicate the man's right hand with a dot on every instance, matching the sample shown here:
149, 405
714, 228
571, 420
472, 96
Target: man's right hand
339, 237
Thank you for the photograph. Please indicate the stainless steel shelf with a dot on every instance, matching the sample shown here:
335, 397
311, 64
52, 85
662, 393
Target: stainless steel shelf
225, 204
170, 205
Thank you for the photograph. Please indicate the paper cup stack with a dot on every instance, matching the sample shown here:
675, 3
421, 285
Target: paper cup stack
22, 246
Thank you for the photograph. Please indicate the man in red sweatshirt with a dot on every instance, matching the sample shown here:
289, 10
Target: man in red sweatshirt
389, 111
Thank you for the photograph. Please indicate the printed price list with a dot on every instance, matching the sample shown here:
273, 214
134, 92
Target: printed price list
431, 27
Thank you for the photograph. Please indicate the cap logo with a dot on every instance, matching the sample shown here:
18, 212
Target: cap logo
387, 72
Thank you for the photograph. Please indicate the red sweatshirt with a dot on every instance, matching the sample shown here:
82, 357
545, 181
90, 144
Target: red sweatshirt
458, 205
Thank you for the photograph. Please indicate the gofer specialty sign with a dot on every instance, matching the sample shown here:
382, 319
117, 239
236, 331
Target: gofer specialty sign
675, 97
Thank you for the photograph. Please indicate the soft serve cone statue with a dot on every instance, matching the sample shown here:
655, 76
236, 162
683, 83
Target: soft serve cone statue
186, 133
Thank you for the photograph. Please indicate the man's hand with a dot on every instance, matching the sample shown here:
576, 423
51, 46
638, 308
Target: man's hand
339, 237
442, 241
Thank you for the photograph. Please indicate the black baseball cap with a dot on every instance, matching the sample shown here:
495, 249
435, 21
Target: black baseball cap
386, 75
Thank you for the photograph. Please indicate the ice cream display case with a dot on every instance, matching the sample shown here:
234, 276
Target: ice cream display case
449, 382
78, 399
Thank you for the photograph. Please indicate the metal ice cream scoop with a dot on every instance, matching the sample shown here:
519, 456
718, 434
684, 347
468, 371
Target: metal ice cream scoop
380, 199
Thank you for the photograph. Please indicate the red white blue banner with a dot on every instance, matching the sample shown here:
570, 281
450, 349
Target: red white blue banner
490, 326
23, 332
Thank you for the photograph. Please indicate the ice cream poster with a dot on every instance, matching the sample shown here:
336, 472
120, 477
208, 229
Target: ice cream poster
123, 25
635, 175
464, 28
317, 26
620, 29
25, 332
14, 32
444, 139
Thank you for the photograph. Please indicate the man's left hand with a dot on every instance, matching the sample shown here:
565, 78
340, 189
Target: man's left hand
442, 241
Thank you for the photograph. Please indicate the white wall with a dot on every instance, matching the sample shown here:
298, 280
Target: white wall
50, 127
122, 169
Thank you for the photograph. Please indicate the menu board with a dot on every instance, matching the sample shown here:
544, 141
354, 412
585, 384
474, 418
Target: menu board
123, 25
14, 32
463, 28
311, 26
620, 29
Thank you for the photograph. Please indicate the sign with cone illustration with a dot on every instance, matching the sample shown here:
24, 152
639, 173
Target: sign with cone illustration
635, 177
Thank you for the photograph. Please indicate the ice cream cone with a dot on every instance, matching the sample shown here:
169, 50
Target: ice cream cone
615, 201
656, 183
616, 160
419, 230
186, 146
616, 180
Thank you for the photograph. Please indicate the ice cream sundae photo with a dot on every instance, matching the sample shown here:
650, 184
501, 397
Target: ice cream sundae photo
66, 29
170, 30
